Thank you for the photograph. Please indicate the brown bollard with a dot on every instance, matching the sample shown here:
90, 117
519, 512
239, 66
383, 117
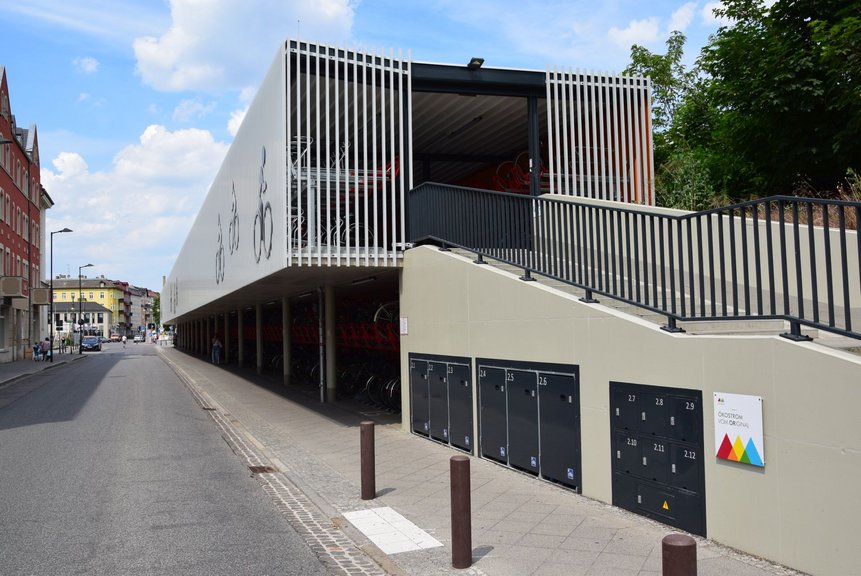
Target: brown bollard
679, 554
461, 513
369, 484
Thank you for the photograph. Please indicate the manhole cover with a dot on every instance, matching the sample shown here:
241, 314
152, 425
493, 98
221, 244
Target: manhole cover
262, 469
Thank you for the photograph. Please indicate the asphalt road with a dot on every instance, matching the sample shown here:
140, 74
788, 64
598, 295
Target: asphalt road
108, 466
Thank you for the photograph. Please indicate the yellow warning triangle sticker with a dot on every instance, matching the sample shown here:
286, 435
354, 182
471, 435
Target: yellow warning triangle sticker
665, 506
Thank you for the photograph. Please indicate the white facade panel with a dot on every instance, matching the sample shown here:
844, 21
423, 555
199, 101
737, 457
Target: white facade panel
238, 236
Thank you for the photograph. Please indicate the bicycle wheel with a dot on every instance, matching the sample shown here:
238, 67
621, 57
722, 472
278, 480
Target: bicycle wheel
258, 241
267, 221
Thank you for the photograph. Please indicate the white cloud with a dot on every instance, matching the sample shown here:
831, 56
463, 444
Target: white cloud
637, 32
236, 118
190, 109
682, 18
87, 64
708, 15
217, 44
140, 210
83, 96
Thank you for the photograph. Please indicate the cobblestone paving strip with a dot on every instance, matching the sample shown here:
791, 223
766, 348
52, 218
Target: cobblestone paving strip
331, 545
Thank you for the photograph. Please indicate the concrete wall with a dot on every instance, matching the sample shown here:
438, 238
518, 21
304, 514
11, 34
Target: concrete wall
802, 509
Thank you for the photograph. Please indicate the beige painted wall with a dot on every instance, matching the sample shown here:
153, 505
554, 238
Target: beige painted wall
803, 509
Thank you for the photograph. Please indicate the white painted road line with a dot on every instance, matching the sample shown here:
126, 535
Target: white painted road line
391, 532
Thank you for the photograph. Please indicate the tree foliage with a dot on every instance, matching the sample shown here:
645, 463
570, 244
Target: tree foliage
774, 99
156, 310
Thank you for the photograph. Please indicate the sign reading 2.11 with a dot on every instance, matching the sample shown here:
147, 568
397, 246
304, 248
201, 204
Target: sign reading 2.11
738, 428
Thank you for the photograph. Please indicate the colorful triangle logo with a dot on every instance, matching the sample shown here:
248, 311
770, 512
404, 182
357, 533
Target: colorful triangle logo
738, 451
725, 448
753, 454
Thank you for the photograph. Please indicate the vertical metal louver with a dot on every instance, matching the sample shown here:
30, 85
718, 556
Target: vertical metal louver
346, 155
599, 136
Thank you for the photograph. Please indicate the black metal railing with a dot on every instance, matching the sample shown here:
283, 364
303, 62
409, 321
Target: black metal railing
789, 258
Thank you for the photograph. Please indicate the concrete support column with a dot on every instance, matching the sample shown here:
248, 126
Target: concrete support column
240, 336
286, 341
207, 342
226, 336
258, 336
331, 360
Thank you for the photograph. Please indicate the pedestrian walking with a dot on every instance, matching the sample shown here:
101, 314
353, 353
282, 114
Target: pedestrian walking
46, 349
37, 348
124, 341
216, 349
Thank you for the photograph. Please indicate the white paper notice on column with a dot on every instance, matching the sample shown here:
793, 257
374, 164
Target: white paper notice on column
405, 326
738, 428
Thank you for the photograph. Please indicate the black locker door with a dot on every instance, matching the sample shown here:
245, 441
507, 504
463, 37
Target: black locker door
653, 414
460, 406
493, 415
523, 420
626, 453
626, 409
438, 400
685, 417
419, 397
559, 426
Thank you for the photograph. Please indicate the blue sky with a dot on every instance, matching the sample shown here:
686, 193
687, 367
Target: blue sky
136, 101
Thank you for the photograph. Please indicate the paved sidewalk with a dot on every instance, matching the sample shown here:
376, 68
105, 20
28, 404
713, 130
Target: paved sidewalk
12, 371
520, 525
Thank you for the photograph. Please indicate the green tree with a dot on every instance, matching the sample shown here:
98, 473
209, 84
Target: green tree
671, 83
156, 310
681, 120
787, 102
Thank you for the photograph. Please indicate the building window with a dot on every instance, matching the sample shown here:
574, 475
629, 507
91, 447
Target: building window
100, 318
91, 295
101, 295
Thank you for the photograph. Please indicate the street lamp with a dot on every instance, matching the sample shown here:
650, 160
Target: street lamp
80, 311
51, 321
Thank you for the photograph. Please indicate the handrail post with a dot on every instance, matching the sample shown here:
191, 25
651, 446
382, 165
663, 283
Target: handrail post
795, 334
587, 298
671, 326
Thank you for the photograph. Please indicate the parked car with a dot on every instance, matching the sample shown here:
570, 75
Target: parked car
91, 343
103, 339
138, 338
115, 337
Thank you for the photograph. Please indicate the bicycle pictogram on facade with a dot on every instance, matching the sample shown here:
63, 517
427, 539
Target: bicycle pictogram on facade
263, 225
219, 256
233, 227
